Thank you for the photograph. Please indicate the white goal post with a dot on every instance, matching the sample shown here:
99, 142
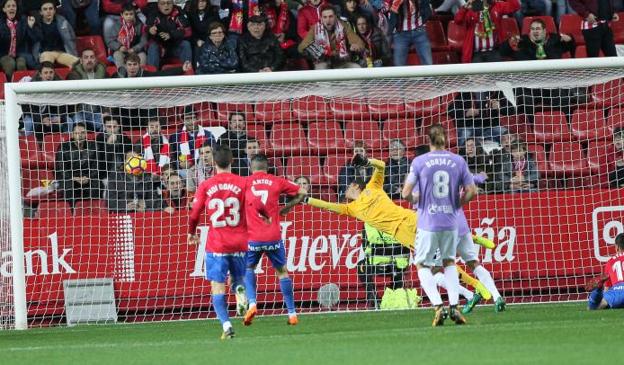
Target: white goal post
412, 84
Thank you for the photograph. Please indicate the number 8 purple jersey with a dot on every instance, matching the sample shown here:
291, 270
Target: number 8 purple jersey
437, 176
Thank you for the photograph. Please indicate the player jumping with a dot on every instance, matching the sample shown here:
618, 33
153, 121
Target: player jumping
264, 190
222, 196
612, 280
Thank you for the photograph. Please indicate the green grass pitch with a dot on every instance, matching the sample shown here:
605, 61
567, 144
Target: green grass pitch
525, 334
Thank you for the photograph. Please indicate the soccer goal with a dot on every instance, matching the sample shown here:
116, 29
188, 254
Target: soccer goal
546, 134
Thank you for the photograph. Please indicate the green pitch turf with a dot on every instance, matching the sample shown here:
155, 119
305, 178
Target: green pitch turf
528, 334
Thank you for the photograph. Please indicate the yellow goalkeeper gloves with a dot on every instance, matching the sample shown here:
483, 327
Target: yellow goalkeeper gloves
476, 284
483, 241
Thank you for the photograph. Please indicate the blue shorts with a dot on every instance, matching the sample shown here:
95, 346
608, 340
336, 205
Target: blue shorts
614, 296
274, 250
218, 265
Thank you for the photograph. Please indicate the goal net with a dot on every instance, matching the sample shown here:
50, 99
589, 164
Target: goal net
547, 140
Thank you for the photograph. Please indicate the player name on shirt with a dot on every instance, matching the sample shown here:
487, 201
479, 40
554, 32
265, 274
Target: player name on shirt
262, 182
440, 162
231, 187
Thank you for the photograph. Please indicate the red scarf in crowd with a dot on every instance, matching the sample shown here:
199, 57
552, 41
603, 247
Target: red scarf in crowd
322, 37
185, 148
12, 24
236, 20
148, 154
126, 34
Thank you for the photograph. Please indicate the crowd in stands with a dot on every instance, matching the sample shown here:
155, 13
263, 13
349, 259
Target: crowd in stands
226, 36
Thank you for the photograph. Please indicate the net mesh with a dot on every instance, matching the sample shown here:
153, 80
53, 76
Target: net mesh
7, 319
547, 141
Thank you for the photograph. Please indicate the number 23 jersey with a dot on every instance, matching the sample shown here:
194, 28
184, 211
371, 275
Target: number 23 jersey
223, 197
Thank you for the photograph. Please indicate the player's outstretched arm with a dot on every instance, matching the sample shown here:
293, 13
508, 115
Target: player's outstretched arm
294, 201
333, 207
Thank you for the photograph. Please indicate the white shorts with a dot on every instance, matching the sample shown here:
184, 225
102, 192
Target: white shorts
466, 248
428, 244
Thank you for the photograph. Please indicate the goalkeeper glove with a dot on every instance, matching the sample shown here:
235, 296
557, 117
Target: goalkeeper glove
359, 161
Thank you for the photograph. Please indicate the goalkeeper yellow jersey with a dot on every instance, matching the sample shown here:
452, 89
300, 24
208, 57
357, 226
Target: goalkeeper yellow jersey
375, 207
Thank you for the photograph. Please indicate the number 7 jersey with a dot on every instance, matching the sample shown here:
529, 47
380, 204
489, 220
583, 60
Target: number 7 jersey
223, 198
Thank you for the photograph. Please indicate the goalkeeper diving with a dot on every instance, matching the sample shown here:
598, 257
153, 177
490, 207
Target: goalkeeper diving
370, 204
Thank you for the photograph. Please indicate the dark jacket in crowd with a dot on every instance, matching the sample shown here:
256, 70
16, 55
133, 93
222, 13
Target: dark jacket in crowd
256, 54
395, 176
527, 50
111, 155
124, 188
216, 60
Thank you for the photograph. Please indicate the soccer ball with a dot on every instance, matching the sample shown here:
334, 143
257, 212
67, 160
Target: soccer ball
135, 165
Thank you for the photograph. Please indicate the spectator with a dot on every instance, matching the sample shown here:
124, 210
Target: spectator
242, 165
201, 15
155, 145
524, 175
76, 167
187, 141
597, 33
330, 43
538, 44
304, 183
126, 35
406, 22
477, 115
236, 16
616, 177
349, 174
111, 146
478, 160
218, 54
56, 37
42, 119
282, 24
501, 168
112, 8
397, 169
308, 16
17, 36
236, 135
133, 68
168, 29
377, 51
351, 10
90, 9
176, 195
203, 169
259, 50
133, 193
484, 31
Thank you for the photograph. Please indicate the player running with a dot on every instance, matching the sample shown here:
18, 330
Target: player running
222, 196
439, 175
265, 237
612, 280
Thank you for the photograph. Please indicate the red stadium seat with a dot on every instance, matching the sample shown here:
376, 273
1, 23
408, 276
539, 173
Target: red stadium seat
258, 131
510, 27
589, 124
364, 130
567, 158
348, 109
551, 126
618, 29
189, 72
62, 72
96, 43
33, 178
225, 109
427, 107
332, 166
611, 93
386, 108
601, 156
311, 108
288, 138
324, 193
90, 208
20, 74
30, 155
515, 124
309, 166
445, 57
456, 35
51, 143
550, 23
581, 52
616, 118
570, 24
274, 111
538, 153
437, 38
325, 136
53, 209
404, 129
